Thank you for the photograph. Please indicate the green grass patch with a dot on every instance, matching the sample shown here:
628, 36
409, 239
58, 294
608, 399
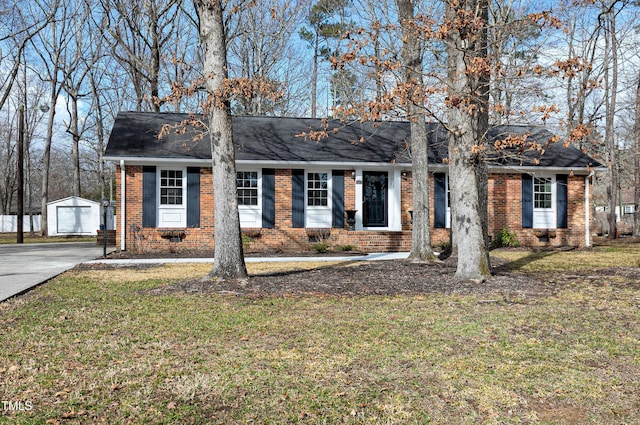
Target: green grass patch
9, 238
573, 260
93, 347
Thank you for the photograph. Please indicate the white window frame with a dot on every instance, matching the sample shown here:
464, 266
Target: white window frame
318, 216
172, 215
543, 217
629, 209
447, 194
251, 215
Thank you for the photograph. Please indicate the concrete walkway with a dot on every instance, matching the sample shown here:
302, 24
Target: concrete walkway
24, 266
369, 257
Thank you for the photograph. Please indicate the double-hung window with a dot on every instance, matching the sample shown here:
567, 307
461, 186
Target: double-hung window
542, 192
248, 194
247, 187
172, 206
317, 189
318, 199
171, 187
544, 202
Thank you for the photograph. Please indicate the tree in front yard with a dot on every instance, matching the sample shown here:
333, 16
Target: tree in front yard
228, 252
465, 35
411, 53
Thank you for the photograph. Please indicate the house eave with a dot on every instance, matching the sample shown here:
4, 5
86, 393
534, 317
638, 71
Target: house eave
264, 163
135, 160
582, 171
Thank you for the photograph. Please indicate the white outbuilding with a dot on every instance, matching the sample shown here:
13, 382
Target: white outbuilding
73, 216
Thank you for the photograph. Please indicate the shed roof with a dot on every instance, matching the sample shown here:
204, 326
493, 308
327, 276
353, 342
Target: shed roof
135, 135
75, 200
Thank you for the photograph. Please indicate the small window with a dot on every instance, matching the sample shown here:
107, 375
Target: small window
542, 195
317, 189
629, 209
171, 187
247, 187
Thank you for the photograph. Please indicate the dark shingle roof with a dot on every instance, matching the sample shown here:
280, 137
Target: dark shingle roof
135, 135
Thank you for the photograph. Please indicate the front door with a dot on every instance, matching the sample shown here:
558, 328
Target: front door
375, 198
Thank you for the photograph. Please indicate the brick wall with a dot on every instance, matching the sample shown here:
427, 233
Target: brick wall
505, 211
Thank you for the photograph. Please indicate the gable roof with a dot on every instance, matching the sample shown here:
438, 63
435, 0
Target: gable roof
267, 139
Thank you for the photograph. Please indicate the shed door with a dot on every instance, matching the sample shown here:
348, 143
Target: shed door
74, 219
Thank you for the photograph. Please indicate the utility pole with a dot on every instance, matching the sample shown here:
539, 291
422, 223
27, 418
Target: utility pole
19, 230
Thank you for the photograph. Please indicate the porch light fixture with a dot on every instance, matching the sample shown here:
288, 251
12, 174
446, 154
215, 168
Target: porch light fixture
353, 174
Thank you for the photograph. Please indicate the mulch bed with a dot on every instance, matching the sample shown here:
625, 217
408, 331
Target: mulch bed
388, 278
365, 278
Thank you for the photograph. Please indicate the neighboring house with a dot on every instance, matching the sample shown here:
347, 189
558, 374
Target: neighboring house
293, 190
624, 220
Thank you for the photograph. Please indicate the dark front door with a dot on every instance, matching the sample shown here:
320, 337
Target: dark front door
375, 198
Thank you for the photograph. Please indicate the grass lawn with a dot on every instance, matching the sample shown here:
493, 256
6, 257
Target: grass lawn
92, 347
9, 238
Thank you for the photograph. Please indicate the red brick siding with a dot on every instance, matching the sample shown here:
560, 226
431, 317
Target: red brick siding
504, 212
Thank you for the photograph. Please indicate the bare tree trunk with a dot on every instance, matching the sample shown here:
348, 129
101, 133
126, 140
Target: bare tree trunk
46, 159
74, 130
481, 88
97, 106
466, 134
636, 136
421, 249
611, 87
314, 78
228, 252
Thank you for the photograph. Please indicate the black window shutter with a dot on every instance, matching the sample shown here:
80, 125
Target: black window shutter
193, 197
440, 200
268, 198
297, 198
527, 201
149, 196
561, 196
337, 181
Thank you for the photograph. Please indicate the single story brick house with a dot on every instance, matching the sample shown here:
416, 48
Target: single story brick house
354, 187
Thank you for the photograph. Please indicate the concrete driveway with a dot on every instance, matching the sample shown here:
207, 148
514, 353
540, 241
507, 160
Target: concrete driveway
24, 266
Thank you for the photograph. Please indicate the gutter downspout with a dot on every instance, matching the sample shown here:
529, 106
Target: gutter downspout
123, 209
587, 211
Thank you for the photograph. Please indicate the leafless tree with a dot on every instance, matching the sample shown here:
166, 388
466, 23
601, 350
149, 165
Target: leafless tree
19, 24
50, 46
263, 47
79, 60
608, 17
140, 33
636, 139
412, 62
